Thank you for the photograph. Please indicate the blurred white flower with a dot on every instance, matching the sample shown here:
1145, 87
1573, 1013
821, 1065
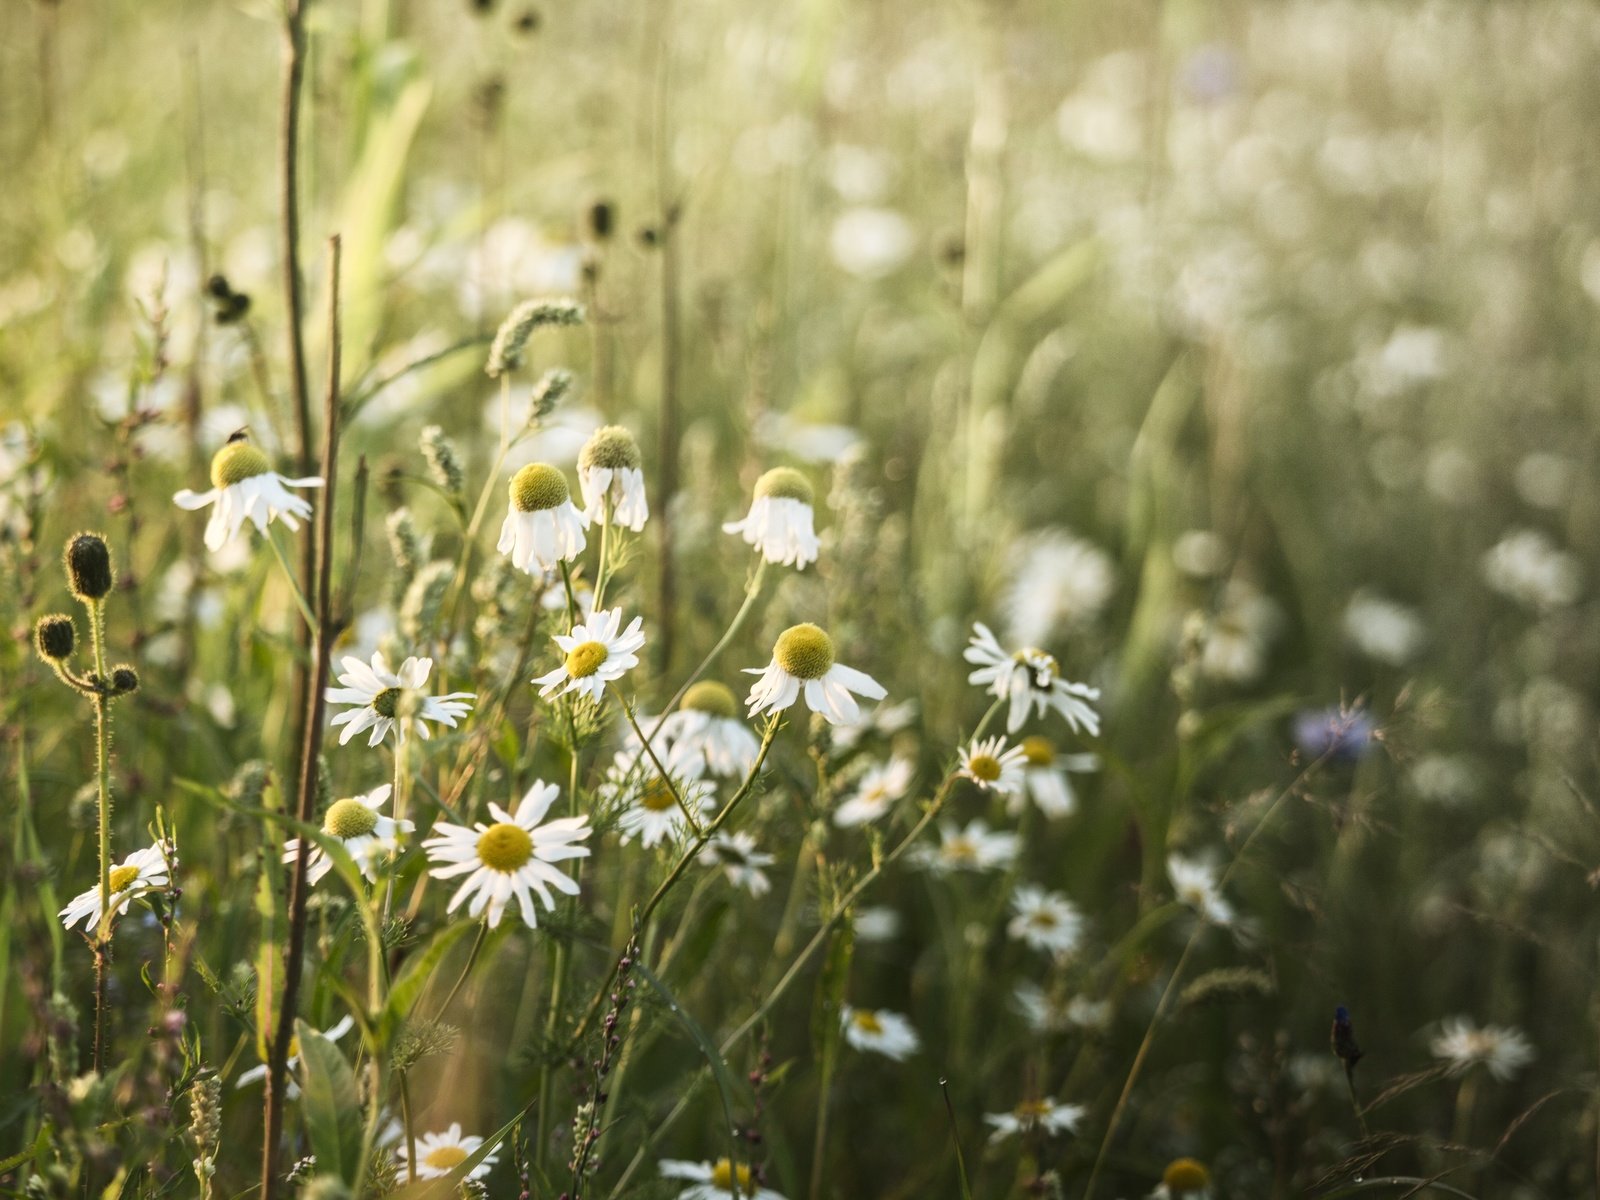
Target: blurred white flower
653, 812
1545, 480
1237, 638
1200, 553
740, 861
438, 1154
1462, 1045
707, 724
333, 1033
871, 243
1044, 920
1446, 779
1195, 884
1059, 583
974, 848
876, 924
1047, 778
879, 1031
610, 478
1382, 629
1045, 1115
875, 794
1529, 568
721, 1180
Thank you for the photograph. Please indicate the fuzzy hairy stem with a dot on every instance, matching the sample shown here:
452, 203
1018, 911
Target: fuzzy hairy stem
102, 754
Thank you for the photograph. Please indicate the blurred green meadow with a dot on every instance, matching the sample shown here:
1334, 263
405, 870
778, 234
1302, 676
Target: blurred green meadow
1242, 357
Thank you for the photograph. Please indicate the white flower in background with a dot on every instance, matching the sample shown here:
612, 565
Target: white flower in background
369, 837
1046, 1012
1030, 680
244, 487
1529, 568
440, 1153
880, 1031
610, 478
1463, 1045
716, 1181
1059, 582
653, 813
598, 652
1236, 640
707, 722
1383, 630
384, 700
1200, 553
1446, 779
993, 767
511, 858
1545, 480
810, 441
1047, 777
803, 659
1044, 1115
1195, 884
255, 1074
1044, 920
878, 923
1184, 1179
870, 243
875, 794
780, 522
542, 528
974, 848
141, 872
740, 861
885, 720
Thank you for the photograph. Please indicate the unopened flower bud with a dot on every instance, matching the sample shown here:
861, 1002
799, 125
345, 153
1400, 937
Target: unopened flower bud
88, 562
54, 636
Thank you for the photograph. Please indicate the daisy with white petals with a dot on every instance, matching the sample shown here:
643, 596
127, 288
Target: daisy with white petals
653, 813
598, 651
803, 658
974, 848
1031, 680
1046, 778
510, 859
368, 836
610, 478
1463, 1045
716, 1181
993, 767
879, 788
707, 723
383, 700
542, 528
244, 487
1043, 1115
1044, 920
879, 1031
1196, 885
740, 861
141, 872
440, 1153
780, 521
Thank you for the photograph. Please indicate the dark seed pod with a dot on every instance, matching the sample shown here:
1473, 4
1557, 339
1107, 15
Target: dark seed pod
89, 572
54, 636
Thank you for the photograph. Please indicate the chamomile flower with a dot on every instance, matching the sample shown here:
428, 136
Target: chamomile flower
880, 787
598, 652
141, 872
440, 1153
542, 527
255, 1074
1463, 1045
716, 1181
1045, 920
1043, 1115
994, 767
610, 478
1195, 884
369, 837
880, 1031
1031, 680
511, 858
707, 723
780, 521
383, 700
974, 848
653, 813
803, 657
244, 487
740, 861
1184, 1179
1046, 777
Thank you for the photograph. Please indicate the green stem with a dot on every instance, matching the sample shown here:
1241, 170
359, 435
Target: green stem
666, 778
472, 959
102, 742
294, 583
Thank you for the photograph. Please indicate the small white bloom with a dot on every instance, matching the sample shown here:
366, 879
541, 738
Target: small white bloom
511, 858
993, 767
974, 848
885, 720
255, 1074
1195, 884
653, 813
382, 700
780, 521
803, 656
707, 723
610, 478
1046, 778
740, 861
1030, 680
878, 923
1045, 1115
369, 837
1503, 1050
876, 793
1060, 582
880, 1031
1045, 920
720, 1180
1237, 639
1383, 630
1049, 1013
598, 652
542, 528
141, 872
245, 488
440, 1153
1528, 567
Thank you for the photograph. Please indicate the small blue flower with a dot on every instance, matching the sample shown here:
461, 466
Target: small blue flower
1343, 734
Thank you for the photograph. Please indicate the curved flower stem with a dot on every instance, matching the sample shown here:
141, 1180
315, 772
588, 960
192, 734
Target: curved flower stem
472, 960
602, 575
649, 749
294, 582
751, 592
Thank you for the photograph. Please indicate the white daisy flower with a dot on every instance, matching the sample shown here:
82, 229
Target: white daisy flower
708, 724
383, 700
1048, 1013
440, 1153
880, 787
355, 821
1529, 567
1045, 920
1046, 777
1195, 884
974, 848
255, 1074
739, 859
803, 655
141, 872
1235, 643
1030, 680
716, 1181
885, 720
1030, 1115
653, 814
1463, 1045
598, 651
993, 767
542, 528
780, 520
244, 487
610, 478
511, 858
878, 923
1383, 629
880, 1031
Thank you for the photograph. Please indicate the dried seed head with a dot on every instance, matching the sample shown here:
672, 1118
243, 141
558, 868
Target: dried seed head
89, 572
124, 679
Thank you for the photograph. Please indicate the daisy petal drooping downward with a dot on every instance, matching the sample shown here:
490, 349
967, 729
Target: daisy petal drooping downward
1031, 681
543, 528
803, 660
368, 836
780, 521
610, 478
382, 700
244, 487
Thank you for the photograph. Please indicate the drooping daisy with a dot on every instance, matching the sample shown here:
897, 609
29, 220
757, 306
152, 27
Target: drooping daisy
355, 821
707, 723
598, 651
543, 528
780, 521
1501, 1049
384, 700
653, 813
1045, 920
740, 861
1046, 777
141, 872
440, 1153
1195, 884
974, 848
1031, 680
1045, 1115
993, 767
716, 1181
1184, 1179
510, 858
880, 1031
610, 478
804, 655
244, 487
255, 1074
879, 788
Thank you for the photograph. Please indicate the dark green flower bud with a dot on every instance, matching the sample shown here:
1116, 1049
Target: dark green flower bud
54, 636
124, 679
89, 572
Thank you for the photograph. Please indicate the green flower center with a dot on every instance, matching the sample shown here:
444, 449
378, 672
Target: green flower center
613, 447
236, 462
504, 847
387, 702
657, 796
123, 877
724, 1173
1038, 751
443, 1158
984, 767
537, 487
348, 819
708, 696
866, 1021
787, 484
585, 659
804, 651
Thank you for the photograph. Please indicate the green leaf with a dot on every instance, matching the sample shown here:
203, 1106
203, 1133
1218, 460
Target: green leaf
331, 1106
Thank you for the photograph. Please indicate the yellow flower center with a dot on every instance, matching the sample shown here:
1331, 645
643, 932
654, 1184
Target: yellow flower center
1186, 1175
723, 1174
387, 702
961, 850
1042, 668
348, 819
708, 696
122, 877
657, 796
585, 659
236, 462
866, 1021
984, 767
610, 446
804, 651
1038, 751
1043, 918
443, 1158
1031, 1110
538, 486
504, 847
787, 484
